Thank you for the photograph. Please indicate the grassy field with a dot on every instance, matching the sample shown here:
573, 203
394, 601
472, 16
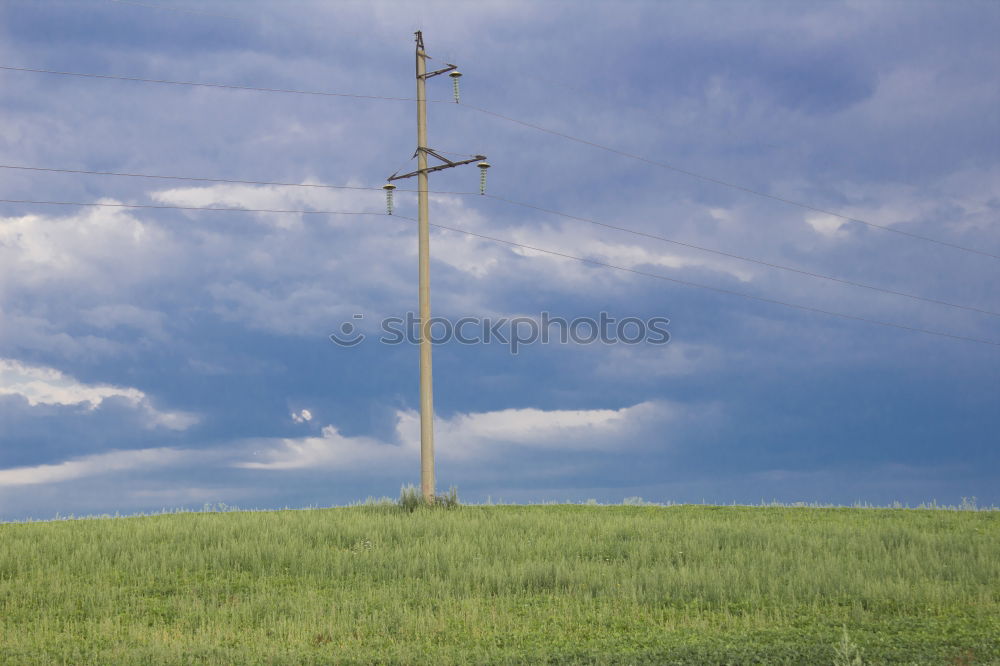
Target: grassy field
563, 584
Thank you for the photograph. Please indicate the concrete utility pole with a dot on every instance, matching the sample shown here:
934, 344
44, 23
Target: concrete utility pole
424, 258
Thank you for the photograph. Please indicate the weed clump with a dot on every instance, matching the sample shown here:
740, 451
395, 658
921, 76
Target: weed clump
411, 499
847, 652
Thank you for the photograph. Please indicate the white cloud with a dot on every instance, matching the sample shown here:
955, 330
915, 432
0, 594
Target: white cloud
269, 197
61, 275
562, 428
332, 450
478, 436
48, 386
721, 214
302, 416
571, 239
103, 248
288, 276
825, 225
102, 463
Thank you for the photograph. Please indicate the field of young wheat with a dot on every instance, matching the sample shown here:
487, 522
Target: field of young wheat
565, 584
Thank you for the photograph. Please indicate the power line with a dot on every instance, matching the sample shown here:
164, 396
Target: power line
718, 181
636, 232
664, 165
594, 262
192, 178
234, 181
720, 290
168, 207
207, 85
761, 262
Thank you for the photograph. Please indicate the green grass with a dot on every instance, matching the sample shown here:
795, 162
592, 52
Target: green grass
505, 584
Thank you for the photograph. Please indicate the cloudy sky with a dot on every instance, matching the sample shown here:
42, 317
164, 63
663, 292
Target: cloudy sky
165, 358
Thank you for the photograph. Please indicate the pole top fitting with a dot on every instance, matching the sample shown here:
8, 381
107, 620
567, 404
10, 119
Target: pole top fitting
483, 165
389, 186
455, 74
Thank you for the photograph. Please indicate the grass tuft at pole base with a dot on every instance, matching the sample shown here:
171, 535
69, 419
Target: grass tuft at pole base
411, 499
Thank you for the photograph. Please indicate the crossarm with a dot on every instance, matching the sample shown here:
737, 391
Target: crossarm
439, 167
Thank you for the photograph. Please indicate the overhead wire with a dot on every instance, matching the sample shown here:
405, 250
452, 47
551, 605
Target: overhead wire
725, 183
740, 257
564, 135
543, 209
658, 276
174, 207
189, 178
201, 84
699, 285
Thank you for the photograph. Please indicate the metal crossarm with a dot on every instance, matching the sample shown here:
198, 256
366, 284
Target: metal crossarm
447, 165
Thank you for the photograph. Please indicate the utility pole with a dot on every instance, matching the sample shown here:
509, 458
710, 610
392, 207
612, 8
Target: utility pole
424, 258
